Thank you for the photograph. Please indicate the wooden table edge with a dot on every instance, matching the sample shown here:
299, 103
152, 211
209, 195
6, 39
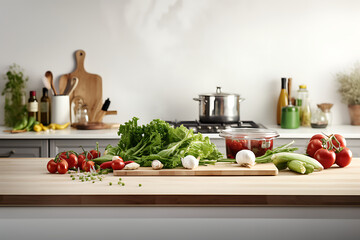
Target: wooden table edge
179, 200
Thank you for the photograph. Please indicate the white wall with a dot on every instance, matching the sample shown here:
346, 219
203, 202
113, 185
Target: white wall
154, 56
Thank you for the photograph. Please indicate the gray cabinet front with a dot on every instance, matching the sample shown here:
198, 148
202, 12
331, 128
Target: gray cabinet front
24, 148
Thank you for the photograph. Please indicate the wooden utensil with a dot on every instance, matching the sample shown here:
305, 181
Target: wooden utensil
50, 78
73, 84
89, 87
219, 169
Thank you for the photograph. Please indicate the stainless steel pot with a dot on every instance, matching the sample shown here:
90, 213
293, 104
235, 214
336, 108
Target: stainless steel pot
219, 107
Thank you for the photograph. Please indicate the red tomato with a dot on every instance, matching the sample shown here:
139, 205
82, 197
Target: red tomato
95, 153
81, 159
117, 164
313, 146
52, 166
62, 166
343, 158
325, 157
72, 160
318, 136
87, 165
341, 142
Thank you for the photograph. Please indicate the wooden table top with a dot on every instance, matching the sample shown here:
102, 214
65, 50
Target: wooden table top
26, 182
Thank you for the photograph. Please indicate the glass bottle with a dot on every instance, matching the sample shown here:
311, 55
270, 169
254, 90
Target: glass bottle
33, 105
45, 108
302, 95
305, 117
282, 101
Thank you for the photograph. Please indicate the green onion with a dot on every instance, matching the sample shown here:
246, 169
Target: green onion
267, 157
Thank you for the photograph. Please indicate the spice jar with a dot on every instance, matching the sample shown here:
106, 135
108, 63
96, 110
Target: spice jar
84, 117
318, 119
325, 108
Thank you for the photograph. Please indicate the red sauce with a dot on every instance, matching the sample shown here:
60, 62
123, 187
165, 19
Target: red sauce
258, 147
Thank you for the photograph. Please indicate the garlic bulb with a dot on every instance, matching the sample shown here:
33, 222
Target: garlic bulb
156, 165
190, 162
131, 166
245, 158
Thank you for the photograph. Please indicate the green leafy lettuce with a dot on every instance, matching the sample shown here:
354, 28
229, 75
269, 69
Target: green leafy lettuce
158, 140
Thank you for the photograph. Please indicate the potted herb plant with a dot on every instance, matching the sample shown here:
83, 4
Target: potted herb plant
14, 92
350, 92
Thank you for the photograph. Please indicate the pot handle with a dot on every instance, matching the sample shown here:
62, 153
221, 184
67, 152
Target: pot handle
241, 99
200, 99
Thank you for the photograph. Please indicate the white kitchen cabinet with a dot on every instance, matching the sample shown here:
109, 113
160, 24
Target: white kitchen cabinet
23, 148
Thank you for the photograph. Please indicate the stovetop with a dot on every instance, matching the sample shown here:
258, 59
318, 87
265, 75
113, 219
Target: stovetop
200, 127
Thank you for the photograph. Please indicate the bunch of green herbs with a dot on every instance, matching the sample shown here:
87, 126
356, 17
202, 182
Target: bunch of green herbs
160, 141
15, 108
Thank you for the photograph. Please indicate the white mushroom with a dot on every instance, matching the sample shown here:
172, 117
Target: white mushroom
131, 166
156, 165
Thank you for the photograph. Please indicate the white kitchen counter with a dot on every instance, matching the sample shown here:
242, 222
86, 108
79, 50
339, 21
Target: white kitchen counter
348, 131
68, 133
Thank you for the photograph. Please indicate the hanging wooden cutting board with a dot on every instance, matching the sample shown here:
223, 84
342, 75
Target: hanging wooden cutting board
219, 169
89, 87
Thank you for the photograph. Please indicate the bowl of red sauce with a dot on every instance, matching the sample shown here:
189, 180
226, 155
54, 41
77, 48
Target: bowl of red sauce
258, 140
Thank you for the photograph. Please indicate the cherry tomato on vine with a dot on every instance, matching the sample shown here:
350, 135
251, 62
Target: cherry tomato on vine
313, 146
87, 165
344, 157
62, 166
95, 154
52, 166
81, 159
325, 157
341, 142
72, 160
318, 136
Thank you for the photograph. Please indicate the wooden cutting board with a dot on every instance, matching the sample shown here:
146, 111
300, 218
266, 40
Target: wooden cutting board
89, 87
219, 169
96, 126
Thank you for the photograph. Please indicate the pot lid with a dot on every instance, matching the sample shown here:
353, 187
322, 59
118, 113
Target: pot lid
249, 133
219, 93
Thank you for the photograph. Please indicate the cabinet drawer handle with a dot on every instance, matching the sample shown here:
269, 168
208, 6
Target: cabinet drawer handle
6, 155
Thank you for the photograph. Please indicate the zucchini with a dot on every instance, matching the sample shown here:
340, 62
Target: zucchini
281, 166
296, 166
309, 168
280, 158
